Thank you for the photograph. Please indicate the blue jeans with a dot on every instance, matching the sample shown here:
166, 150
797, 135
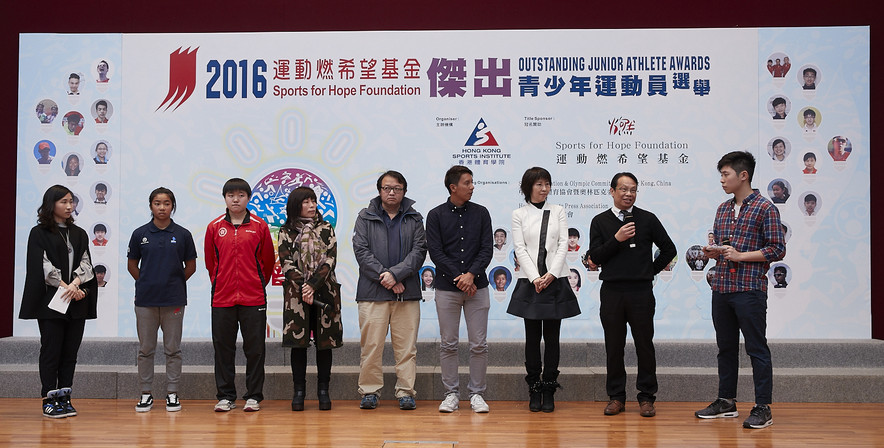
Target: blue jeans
747, 312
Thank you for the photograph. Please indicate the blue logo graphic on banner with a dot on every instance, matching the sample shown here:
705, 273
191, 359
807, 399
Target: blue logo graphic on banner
481, 136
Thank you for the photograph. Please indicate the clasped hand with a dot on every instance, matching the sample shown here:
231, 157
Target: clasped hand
540, 283
72, 292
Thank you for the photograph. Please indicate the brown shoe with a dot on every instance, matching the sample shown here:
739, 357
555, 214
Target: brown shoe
614, 407
647, 409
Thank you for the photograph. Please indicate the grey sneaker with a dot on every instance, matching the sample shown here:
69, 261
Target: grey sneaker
251, 405
450, 404
369, 401
478, 404
759, 417
407, 403
224, 405
720, 408
145, 403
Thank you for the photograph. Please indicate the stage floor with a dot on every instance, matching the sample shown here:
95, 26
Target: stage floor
115, 423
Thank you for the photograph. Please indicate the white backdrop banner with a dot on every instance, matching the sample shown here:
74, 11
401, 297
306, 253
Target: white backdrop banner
333, 110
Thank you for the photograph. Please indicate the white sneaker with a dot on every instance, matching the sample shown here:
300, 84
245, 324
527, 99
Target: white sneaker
478, 404
172, 402
145, 403
224, 405
451, 403
251, 405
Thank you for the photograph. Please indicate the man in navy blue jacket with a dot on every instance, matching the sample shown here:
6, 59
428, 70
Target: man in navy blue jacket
460, 243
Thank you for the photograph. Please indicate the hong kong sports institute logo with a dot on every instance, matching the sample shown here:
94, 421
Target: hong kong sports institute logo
481, 135
182, 78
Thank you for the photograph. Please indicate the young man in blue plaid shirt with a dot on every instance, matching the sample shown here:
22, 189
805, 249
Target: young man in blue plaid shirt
748, 237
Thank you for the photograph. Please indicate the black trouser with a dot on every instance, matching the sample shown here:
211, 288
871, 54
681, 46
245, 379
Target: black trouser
549, 330
299, 366
225, 324
635, 307
59, 343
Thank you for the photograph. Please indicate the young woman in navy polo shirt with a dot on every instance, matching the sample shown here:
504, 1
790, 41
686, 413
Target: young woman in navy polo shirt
167, 257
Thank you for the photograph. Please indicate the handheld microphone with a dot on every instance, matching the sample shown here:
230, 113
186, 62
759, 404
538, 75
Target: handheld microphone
322, 305
627, 218
731, 266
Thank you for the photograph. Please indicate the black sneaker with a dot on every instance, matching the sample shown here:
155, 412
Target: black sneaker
64, 401
719, 408
172, 402
760, 417
51, 408
145, 403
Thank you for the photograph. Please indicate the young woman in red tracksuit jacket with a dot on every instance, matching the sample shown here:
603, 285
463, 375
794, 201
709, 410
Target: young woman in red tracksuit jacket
239, 256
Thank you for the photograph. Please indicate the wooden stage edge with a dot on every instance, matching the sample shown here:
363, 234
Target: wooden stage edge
509, 424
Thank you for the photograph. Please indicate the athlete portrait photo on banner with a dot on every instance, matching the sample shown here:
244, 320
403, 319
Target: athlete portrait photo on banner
840, 148
779, 191
101, 152
809, 77
102, 72
44, 152
779, 65
810, 204
428, 278
779, 107
72, 123
500, 278
73, 84
47, 110
779, 148
780, 275
71, 164
102, 111
696, 258
810, 120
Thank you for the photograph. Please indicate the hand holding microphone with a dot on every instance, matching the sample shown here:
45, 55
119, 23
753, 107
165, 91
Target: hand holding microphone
731, 265
627, 219
307, 293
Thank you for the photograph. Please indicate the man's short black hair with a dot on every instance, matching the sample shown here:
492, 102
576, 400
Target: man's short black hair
500, 230
101, 187
453, 175
236, 184
395, 175
99, 228
100, 103
810, 112
778, 100
809, 155
809, 70
739, 161
573, 232
617, 177
809, 198
74, 76
780, 269
100, 269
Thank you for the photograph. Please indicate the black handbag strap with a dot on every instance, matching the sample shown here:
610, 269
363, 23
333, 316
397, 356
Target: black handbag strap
541, 252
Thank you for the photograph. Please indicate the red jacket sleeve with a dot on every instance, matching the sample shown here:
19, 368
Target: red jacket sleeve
209, 251
268, 257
